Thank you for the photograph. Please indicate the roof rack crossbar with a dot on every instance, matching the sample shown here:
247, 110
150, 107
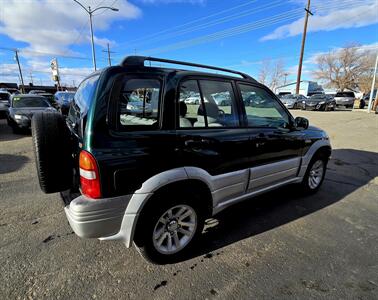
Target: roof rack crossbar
140, 60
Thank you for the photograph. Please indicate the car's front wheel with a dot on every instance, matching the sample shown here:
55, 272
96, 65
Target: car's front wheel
168, 230
315, 174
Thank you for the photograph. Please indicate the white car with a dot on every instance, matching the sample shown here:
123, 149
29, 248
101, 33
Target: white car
192, 100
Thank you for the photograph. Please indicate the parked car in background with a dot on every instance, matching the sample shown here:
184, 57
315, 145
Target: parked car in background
36, 92
222, 99
23, 107
12, 91
152, 181
4, 103
366, 97
319, 102
63, 101
135, 105
345, 99
292, 101
192, 100
50, 97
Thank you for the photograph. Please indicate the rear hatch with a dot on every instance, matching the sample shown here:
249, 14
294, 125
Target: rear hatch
77, 120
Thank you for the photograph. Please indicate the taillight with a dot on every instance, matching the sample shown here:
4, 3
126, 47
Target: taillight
89, 175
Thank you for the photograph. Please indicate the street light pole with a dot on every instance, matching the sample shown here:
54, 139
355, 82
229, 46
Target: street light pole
90, 13
19, 69
373, 86
92, 41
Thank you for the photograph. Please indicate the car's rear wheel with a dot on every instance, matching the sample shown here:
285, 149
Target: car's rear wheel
51, 142
169, 229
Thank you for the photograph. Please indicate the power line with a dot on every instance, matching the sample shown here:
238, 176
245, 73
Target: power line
267, 22
193, 22
212, 22
159, 36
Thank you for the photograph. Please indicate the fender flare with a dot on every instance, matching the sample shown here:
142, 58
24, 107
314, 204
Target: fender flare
142, 196
310, 154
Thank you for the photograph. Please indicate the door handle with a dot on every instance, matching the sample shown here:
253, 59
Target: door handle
259, 144
196, 143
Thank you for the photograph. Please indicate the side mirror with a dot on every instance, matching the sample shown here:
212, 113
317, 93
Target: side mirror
301, 123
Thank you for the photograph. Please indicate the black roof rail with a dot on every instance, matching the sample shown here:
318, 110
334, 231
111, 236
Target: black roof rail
140, 60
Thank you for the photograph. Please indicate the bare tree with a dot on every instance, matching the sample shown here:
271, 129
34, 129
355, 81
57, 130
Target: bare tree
272, 74
264, 72
365, 79
343, 68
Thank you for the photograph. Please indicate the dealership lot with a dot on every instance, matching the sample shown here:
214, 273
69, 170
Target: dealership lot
280, 245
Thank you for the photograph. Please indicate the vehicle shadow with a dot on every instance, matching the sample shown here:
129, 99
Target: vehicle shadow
6, 133
10, 163
347, 171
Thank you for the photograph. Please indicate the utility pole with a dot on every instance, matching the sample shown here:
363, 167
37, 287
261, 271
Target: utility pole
31, 77
373, 86
108, 50
308, 12
19, 69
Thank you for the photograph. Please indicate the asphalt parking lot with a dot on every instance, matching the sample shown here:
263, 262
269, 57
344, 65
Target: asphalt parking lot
280, 245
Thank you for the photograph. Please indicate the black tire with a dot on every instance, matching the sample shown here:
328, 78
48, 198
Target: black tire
362, 104
149, 219
305, 185
51, 143
16, 129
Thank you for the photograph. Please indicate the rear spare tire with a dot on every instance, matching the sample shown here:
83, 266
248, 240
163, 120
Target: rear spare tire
52, 150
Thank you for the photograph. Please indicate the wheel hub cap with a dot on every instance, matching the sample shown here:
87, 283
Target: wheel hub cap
172, 226
174, 229
316, 174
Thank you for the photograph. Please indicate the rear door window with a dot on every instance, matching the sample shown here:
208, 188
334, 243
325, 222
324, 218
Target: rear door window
207, 103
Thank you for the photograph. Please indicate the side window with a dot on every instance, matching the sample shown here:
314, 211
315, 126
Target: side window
139, 102
83, 98
211, 106
189, 102
262, 109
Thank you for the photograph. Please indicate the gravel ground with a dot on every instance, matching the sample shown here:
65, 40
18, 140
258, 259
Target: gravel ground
280, 245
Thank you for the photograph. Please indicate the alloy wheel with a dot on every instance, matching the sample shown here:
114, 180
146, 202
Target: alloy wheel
174, 229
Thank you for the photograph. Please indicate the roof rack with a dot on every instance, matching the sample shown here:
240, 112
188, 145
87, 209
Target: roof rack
140, 60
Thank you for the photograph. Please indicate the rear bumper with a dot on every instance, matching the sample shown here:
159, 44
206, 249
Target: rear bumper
96, 218
345, 102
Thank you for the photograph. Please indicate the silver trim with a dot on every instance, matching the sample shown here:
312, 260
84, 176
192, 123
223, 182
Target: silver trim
233, 201
93, 218
226, 189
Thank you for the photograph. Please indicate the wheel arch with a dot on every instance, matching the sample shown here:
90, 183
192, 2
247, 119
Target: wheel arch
181, 186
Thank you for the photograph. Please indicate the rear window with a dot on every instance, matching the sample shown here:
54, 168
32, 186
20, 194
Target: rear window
83, 98
138, 104
4, 96
345, 94
19, 102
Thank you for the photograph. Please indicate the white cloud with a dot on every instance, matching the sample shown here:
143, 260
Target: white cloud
356, 15
52, 26
41, 72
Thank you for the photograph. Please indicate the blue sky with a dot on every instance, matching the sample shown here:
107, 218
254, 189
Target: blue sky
239, 34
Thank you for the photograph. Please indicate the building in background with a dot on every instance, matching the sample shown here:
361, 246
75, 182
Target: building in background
306, 88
